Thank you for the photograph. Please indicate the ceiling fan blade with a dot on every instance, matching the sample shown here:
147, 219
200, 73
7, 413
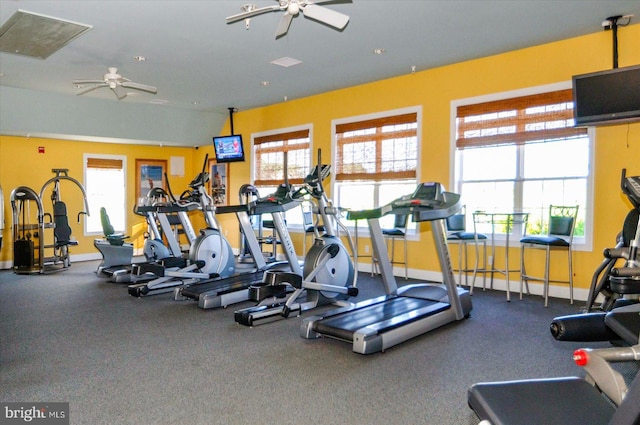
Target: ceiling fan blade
325, 15
284, 24
83, 82
137, 86
117, 93
88, 89
251, 13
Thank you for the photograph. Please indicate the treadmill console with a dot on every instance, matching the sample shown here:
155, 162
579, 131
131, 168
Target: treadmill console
429, 201
428, 194
631, 188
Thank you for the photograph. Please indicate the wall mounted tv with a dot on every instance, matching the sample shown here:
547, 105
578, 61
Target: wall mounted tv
228, 148
607, 97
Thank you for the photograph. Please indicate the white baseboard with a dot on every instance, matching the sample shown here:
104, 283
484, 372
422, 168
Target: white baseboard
555, 291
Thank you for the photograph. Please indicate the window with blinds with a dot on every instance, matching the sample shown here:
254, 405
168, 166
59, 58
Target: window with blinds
270, 152
104, 182
523, 154
376, 160
538, 117
379, 149
104, 163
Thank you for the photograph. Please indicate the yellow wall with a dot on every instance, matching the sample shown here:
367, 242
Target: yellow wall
22, 165
616, 147
434, 90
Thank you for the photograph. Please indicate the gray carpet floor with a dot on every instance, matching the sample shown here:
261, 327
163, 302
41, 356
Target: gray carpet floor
73, 337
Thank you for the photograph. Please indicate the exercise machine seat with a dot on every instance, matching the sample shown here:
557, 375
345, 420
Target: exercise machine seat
62, 229
555, 401
116, 239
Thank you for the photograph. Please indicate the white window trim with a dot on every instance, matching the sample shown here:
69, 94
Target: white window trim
412, 235
254, 136
579, 244
295, 228
123, 158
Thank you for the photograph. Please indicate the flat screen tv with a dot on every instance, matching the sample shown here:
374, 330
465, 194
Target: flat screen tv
607, 97
228, 148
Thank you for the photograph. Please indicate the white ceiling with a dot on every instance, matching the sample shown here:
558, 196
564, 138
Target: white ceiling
199, 62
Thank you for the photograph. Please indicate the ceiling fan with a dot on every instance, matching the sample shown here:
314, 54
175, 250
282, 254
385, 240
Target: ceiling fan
114, 81
292, 8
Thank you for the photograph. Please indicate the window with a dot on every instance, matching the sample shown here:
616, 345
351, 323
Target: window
104, 178
376, 160
523, 154
269, 154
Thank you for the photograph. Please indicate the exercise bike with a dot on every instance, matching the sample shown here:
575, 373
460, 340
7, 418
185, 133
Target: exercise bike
329, 275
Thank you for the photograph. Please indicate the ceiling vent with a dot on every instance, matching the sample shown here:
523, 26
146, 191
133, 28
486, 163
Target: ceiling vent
37, 36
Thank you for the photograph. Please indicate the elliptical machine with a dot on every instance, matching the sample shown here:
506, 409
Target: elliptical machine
329, 275
620, 286
210, 254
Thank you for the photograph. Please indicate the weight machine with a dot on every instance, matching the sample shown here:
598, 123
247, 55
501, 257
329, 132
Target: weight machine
36, 230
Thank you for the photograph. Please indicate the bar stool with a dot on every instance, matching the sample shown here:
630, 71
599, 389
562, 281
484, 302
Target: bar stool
399, 231
559, 237
457, 235
309, 228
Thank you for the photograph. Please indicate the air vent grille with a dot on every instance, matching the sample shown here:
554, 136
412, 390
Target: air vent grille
37, 36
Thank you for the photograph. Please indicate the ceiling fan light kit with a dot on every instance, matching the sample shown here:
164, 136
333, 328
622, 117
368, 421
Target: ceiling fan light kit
114, 81
291, 9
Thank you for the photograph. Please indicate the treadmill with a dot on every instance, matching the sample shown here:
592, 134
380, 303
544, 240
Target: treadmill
221, 292
407, 311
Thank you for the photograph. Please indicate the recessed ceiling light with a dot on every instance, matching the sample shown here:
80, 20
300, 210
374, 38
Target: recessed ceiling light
159, 101
195, 102
140, 58
265, 83
286, 62
378, 51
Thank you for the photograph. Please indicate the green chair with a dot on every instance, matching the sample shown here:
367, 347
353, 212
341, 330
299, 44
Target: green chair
559, 237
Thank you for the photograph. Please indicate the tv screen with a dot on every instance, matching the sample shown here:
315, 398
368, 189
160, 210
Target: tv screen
607, 97
228, 148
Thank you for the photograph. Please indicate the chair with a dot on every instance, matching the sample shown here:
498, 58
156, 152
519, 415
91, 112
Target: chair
399, 231
308, 226
113, 248
561, 225
457, 234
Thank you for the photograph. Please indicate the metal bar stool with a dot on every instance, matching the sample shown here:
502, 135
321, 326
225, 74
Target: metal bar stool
559, 237
457, 235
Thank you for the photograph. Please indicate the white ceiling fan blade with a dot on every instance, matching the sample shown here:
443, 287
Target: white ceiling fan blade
251, 13
284, 24
325, 15
83, 82
117, 93
138, 86
88, 89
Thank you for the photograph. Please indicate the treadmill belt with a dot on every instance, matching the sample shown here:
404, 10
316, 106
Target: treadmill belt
383, 316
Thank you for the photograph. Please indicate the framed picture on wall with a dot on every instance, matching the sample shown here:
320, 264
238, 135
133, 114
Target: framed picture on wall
218, 180
149, 174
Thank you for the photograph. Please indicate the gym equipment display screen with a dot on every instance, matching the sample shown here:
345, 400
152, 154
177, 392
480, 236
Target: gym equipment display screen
228, 148
607, 97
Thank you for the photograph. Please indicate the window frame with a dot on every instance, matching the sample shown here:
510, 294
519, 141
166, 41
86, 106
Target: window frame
85, 161
275, 132
582, 243
363, 230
